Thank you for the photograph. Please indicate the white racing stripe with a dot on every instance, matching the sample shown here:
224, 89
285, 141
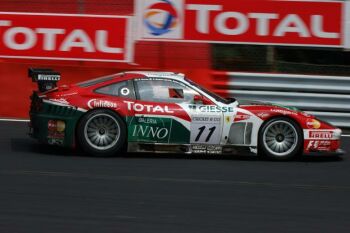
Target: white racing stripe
64, 105
185, 123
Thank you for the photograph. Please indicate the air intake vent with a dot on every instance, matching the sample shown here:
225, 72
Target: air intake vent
240, 133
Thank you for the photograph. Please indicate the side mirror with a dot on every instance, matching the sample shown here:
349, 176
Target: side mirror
231, 100
199, 99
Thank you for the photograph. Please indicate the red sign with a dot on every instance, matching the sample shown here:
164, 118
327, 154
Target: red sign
275, 22
65, 37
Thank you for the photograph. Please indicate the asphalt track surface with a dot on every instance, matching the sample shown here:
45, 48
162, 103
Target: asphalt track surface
48, 189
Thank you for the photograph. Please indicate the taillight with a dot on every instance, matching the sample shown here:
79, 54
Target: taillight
56, 126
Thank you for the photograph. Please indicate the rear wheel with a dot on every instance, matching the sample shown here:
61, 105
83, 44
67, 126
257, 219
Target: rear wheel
281, 139
101, 133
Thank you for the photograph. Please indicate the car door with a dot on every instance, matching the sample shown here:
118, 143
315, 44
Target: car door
206, 123
179, 110
158, 117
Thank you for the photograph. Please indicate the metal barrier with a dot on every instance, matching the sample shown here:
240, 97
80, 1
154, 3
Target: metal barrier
327, 97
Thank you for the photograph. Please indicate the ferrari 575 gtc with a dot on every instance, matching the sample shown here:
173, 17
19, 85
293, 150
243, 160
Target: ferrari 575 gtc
168, 113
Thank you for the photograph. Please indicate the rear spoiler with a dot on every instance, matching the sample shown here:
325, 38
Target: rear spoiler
46, 78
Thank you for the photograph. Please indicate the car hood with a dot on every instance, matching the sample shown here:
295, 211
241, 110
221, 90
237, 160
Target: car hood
261, 103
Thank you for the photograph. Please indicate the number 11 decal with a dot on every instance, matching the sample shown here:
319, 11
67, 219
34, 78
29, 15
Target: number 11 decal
201, 130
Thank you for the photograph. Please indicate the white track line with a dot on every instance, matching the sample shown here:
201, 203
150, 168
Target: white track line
14, 120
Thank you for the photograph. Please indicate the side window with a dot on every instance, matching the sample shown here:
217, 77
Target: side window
165, 91
121, 89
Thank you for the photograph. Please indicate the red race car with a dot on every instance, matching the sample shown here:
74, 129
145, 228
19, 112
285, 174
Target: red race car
167, 112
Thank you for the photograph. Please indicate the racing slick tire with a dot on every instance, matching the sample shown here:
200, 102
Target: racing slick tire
280, 139
101, 133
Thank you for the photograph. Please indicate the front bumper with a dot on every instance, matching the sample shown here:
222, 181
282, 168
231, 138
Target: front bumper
322, 142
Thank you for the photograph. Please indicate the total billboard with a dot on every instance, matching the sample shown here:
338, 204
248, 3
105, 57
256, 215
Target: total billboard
66, 37
278, 22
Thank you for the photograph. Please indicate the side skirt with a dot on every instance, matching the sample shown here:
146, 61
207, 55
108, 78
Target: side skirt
191, 149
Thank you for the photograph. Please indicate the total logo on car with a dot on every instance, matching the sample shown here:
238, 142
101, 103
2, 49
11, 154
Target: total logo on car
167, 112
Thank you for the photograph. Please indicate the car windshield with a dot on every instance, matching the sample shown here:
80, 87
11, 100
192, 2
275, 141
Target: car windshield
213, 95
98, 80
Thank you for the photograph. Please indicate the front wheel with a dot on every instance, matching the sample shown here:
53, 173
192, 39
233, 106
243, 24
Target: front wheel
281, 139
101, 133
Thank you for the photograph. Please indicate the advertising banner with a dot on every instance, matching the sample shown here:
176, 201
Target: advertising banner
66, 37
299, 23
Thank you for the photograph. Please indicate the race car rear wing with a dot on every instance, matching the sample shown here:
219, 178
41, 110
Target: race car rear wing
46, 78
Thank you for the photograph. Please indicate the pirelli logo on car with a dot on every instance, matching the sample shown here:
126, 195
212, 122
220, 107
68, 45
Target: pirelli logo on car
322, 134
49, 77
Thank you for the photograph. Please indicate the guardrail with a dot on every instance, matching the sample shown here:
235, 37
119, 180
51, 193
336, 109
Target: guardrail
327, 97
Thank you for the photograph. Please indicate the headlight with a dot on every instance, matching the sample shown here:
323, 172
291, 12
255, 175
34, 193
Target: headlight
337, 133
